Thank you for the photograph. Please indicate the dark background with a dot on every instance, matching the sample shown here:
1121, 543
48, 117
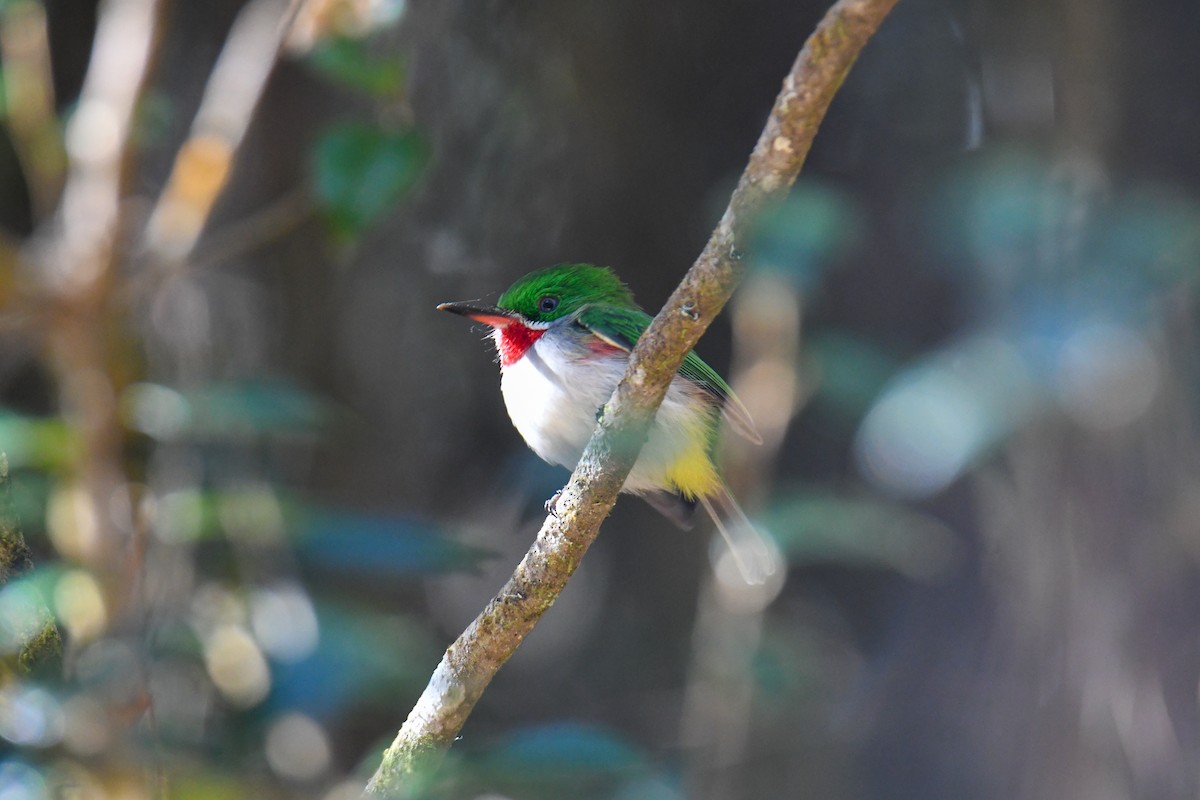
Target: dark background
986, 483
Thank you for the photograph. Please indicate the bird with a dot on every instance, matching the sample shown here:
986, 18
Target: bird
563, 335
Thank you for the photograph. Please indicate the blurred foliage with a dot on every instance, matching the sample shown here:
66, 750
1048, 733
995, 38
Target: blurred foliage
806, 234
42, 443
29, 639
850, 370
554, 760
361, 171
1006, 216
236, 411
347, 61
814, 526
157, 113
1069, 282
559, 758
361, 544
982, 472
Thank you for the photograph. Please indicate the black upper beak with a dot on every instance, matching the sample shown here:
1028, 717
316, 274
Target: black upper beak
489, 315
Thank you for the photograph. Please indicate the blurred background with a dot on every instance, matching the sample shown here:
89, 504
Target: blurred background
254, 484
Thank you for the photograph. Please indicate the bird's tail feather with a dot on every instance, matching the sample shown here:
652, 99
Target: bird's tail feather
756, 555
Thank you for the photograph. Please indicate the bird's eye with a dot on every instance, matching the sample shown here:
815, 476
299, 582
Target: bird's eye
547, 304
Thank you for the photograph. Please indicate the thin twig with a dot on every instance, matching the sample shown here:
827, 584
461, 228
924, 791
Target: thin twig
261, 227
470, 663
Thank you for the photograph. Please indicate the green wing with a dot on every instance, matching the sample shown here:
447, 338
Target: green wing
622, 327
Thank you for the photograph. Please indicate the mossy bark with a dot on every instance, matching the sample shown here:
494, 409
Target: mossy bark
41, 645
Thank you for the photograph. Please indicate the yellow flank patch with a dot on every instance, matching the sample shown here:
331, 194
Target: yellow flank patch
693, 473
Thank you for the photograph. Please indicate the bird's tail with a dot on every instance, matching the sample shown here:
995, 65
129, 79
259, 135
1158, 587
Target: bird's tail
756, 555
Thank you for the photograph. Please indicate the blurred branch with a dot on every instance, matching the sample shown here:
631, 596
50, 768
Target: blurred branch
76, 256
79, 259
204, 162
238, 238
728, 627
470, 662
29, 92
267, 224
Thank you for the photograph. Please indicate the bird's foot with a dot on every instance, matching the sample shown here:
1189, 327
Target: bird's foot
552, 504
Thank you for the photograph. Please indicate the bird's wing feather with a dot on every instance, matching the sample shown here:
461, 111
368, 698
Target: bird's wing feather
622, 327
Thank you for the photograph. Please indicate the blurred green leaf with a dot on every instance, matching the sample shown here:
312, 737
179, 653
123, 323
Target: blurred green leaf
25, 605
565, 754
30, 493
223, 410
39, 442
347, 61
365, 545
787, 663
851, 371
802, 235
253, 512
255, 407
362, 656
209, 784
157, 113
187, 515
652, 787
362, 171
801, 663
816, 526
1149, 236
381, 546
1005, 202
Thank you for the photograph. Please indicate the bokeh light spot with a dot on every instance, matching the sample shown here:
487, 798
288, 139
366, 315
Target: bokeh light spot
236, 665
30, 717
918, 439
180, 516
20, 781
297, 748
285, 623
154, 410
251, 514
87, 731
80, 605
21, 615
937, 417
1108, 376
94, 132
71, 521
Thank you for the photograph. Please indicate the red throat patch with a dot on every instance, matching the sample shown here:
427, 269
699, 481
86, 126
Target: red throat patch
513, 340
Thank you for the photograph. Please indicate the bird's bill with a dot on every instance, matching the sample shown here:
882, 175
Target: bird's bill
488, 315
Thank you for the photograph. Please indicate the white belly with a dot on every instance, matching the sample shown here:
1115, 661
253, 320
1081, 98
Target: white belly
552, 401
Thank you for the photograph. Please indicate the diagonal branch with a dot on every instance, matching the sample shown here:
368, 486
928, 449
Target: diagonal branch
470, 663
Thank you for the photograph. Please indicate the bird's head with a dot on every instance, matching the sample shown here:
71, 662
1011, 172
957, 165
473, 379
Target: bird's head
547, 295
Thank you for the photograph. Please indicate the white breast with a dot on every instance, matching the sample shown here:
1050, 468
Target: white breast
552, 400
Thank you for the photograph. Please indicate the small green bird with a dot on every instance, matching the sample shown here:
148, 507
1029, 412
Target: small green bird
564, 335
